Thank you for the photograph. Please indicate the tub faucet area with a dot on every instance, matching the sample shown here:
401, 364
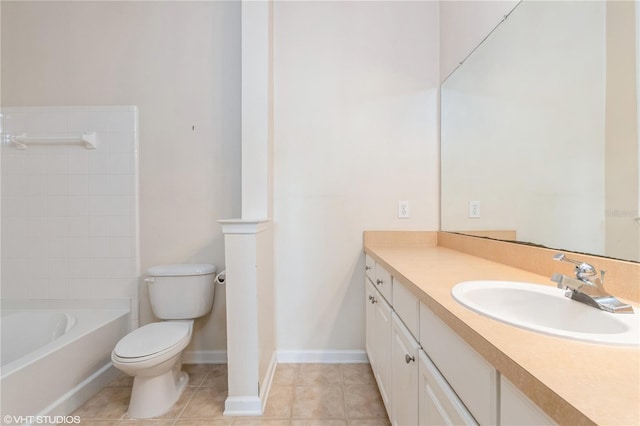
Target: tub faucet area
588, 287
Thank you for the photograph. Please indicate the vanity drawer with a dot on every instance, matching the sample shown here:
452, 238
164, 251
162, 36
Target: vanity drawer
407, 307
383, 282
369, 267
474, 380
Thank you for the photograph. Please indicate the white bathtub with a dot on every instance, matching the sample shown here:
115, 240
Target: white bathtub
56, 354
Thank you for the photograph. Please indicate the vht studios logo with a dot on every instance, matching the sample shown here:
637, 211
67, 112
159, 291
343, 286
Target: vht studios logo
39, 420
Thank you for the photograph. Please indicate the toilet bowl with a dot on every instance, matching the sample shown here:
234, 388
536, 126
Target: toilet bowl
152, 353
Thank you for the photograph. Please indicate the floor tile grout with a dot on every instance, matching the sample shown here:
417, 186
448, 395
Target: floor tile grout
316, 378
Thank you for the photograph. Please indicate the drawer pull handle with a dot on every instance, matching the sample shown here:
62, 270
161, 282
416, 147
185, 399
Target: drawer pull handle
379, 282
373, 300
409, 359
367, 267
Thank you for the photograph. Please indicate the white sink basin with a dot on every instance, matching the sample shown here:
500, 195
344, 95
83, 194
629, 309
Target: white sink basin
545, 309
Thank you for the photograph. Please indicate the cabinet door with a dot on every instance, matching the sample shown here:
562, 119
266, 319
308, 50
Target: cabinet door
370, 318
438, 403
382, 349
404, 375
518, 410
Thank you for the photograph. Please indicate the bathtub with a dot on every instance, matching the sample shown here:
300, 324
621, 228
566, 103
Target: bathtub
55, 354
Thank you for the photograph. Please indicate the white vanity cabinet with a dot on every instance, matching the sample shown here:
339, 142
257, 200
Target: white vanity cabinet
518, 410
438, 403
404, 374
474, 380
427, 374
378, 339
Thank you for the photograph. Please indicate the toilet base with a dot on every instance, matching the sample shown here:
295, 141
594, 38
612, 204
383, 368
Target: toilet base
155, 396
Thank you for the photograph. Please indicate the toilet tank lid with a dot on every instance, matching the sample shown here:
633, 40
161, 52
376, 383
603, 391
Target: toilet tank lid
179, 270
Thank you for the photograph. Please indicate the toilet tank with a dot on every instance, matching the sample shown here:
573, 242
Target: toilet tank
182, 291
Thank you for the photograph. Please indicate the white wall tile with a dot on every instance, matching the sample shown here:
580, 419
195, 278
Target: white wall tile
11, 162
79, 226
87, 121
100, 268
99, 184
78, 205
122, 226
58, 268
57, 164
38, 288
99, 205
99, 248
13, 187
57, 248
35, 184
35, 206
79, 268
98, 162
16, 247
59, 288
121, 247
78, 248
120, 121
56, 226
68, 227
16, 122
78, 184
48, 122
119, 142
58, 205
122, 184
121, 163
35, 163
98, 226
121, 268
58, 184
119, 205
79, 288
78, 162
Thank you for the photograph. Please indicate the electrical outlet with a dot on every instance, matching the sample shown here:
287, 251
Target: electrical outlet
403, 210
474, 209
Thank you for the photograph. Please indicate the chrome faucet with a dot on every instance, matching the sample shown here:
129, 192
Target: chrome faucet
588, 287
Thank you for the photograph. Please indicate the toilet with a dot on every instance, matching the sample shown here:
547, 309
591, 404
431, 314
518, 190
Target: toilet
152, 353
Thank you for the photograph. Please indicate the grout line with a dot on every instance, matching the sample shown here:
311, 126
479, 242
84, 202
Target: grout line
344, 394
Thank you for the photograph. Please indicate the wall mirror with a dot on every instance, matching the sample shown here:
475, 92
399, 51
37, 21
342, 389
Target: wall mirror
539, 133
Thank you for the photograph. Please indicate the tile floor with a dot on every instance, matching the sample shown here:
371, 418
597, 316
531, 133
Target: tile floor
301, 395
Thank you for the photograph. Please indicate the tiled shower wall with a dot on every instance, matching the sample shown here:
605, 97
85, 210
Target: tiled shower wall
69, 214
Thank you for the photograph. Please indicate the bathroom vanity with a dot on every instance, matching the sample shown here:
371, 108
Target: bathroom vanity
437, 362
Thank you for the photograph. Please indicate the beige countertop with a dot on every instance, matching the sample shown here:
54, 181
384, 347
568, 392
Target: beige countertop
575, 383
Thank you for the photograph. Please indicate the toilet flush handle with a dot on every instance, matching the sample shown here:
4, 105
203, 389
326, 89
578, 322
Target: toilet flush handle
150, 280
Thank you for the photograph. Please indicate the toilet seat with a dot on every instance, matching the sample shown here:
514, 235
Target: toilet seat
153, 341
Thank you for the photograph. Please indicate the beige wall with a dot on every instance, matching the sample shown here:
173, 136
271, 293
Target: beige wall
179, 62
355, 131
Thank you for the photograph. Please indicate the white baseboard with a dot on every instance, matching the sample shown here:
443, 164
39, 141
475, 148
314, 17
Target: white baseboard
204, 357
242, 406
323, 357
268, 379
283, 357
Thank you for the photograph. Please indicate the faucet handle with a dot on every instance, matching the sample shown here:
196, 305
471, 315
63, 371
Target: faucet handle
583, 269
